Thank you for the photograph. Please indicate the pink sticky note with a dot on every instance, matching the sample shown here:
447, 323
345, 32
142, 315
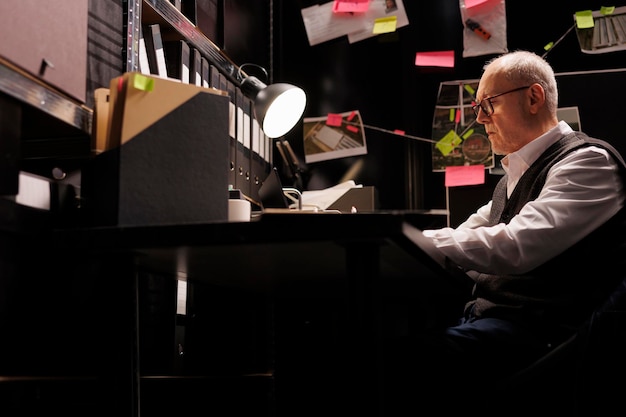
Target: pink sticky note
352, 128
333, 119
435, 59
399, 132
480, 6
347, 6
465, 175
351, 116
473, 3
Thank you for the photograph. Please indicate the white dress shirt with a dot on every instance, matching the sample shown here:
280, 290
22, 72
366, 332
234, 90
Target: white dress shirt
581, 192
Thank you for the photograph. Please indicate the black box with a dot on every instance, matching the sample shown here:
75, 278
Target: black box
174, 171
363, 199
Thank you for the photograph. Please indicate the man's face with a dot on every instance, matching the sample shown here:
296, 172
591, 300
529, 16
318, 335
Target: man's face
506, 125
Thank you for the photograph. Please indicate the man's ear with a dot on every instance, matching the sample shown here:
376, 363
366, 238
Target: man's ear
537, 97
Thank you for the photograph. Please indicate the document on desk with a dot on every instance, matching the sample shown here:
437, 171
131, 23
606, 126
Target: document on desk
416, 236
322, 199
34, 191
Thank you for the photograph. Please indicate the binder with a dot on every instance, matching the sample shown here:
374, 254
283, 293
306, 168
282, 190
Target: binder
232, 132
246, 163
177, 58
238, 134
240, 154
144, 64
257, 165
205, 72
267, 155
214, 75
155, 50
170, 164
196, 67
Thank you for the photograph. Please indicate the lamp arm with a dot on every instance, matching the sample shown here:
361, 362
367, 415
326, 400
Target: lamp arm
294, 171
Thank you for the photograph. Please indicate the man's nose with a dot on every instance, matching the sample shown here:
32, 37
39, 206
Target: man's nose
481, 117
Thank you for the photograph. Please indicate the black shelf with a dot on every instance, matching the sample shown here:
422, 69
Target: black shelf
75, 117
176, 26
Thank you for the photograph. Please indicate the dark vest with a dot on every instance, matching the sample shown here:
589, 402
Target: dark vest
564, 290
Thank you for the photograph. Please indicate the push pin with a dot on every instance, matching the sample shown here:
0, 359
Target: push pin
477, 29
45, 64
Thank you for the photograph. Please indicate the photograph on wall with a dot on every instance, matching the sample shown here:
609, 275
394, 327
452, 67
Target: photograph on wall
458, 139
570, 116
334, 136
601, 31
485, 27
323, 24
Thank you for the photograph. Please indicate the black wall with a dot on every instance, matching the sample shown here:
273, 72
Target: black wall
378, 77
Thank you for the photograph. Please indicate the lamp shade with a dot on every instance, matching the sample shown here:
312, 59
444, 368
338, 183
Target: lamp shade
277, 107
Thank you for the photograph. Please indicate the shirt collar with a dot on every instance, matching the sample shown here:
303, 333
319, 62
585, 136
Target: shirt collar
516, 163
529, 153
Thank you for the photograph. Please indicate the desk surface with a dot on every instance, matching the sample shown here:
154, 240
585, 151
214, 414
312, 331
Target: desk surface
276, 249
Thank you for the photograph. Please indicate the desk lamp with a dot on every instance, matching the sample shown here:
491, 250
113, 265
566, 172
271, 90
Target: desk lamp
277, 107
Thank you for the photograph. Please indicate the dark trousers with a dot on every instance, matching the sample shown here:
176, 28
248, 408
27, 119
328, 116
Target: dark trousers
456, 369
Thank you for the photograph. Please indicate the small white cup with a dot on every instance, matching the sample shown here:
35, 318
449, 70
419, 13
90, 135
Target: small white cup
239, 210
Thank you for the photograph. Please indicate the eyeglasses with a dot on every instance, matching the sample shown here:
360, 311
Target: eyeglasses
487, 107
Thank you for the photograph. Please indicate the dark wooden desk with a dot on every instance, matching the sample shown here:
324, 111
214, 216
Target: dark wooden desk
266, 252
353, 262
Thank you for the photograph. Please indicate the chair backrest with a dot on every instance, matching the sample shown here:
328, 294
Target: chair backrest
583, 373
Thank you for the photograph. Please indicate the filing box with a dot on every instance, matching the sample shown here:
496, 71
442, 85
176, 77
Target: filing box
170, 165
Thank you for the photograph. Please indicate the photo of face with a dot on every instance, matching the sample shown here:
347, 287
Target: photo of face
390, 5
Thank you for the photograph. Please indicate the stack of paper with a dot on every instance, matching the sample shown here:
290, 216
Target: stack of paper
322, 199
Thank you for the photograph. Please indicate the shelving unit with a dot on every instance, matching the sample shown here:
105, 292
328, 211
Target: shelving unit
29, 90
174, 26
98, 336
40, 124
221, 350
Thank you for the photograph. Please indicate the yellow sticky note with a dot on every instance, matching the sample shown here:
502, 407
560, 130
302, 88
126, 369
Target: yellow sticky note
468, 133
385, 25
469, 89
584, 19
450, 141
607, 10
143, 83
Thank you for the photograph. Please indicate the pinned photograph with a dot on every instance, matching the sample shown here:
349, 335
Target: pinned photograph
334, 136
459, 139
390, 6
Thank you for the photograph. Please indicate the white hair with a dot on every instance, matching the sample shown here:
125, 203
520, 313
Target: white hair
526, 68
